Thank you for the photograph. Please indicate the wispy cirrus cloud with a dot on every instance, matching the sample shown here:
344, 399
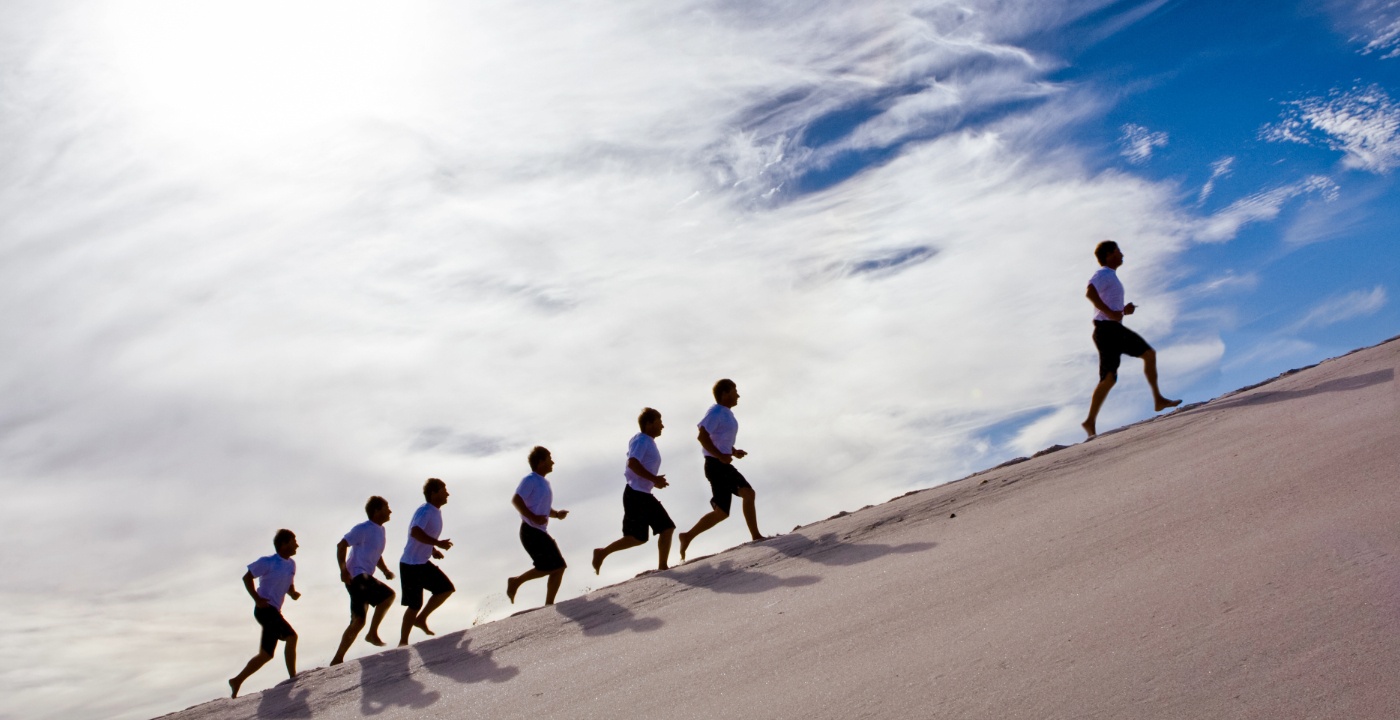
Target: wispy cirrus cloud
1138, 143
1363, 123
1340, 308
1225, 224
1219, 169
1374, 24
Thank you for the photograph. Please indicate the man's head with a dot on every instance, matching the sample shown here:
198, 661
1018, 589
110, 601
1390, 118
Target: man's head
377, 509
435, 492
540, 460
285, 542
726, 393
650, 422
1108, 254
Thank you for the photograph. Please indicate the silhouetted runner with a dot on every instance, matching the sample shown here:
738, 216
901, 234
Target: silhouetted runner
1111, 338
640, 509
718, 430
417, 571
365, 544
534, 500
274, 574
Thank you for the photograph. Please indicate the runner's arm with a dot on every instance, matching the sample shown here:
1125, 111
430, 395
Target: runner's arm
248, 583
709, 445
635, 466
340, 549
417, 534
519, 504
1093, 295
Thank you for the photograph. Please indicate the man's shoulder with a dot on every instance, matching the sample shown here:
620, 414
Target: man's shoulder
1103, 273
718, 411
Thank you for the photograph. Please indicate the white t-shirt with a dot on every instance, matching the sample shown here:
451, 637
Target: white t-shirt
643, 447
274, 574
723, 428
538, 497
366, 547
430, 519
1110, 290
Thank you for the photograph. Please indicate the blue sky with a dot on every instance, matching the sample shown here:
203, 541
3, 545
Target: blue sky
263, 259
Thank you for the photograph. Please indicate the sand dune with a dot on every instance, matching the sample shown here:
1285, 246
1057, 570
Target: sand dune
1239, 558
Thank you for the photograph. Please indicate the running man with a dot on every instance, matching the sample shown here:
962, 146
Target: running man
534, 500
274, 574
365, 543
1111, 338
718, 430
641, 509
417, 571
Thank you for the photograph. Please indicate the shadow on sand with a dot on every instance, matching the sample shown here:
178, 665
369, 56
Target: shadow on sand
724, 577
284, 700
451, 657
602, 616
1346, 384
385, 682
830, 550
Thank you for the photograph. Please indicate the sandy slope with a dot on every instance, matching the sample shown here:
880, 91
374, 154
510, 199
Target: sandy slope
1237, 559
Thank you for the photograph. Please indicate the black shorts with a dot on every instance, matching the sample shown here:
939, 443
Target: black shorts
725, 482
365, 590
274, 628
1114, 341
544, 552
417, 578
641, 511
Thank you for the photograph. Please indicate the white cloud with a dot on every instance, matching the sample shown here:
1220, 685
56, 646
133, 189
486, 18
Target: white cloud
1267, 205
1138, 143
1221, 168
1363, 123
1375, 24
1337, 309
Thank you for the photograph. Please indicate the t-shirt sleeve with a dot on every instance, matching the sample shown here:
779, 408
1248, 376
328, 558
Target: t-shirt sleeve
420, 520
1106, 285
708, 422
355, 536
637, 448
259, 567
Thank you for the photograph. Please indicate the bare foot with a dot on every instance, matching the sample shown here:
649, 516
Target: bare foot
1163, 403
663, 566
685, 543
337, 660
374, 640
598, 557
422, 624
1088, 426
403, 643
234, 684
511, 586
756, 538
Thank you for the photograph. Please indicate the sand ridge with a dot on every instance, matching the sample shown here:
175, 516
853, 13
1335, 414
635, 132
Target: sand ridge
1236, 558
